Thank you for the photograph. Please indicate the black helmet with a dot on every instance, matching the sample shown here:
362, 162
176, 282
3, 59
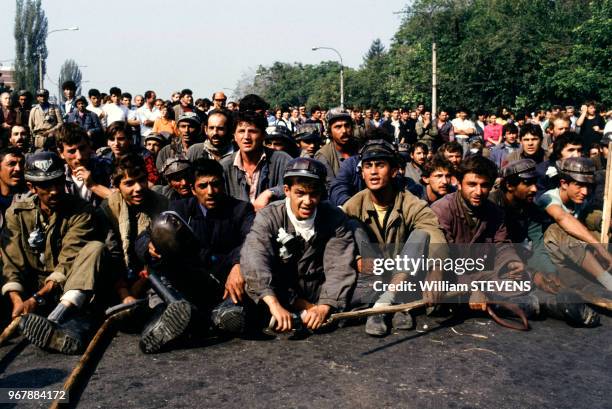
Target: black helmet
43, 166
278, 132
378, 149
307, 168
172, 236
336, 114
42, 93
308, 132
579, 169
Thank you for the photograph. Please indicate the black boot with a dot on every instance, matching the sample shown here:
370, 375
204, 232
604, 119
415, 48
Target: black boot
229, 317
167, 324
570, 308
68, 337
376, 325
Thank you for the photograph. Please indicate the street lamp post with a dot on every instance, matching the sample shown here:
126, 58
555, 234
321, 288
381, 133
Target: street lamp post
341, 72
40, 67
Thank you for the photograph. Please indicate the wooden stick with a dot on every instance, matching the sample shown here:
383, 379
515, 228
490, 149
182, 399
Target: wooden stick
384, 309
595, 300
87, 355
607, 207
9, 330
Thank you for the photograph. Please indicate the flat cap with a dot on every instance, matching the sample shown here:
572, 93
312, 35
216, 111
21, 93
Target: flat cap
175, 165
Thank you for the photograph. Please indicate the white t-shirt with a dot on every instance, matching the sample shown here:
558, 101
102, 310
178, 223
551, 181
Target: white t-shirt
96, 110
114, 113
462, 124
553, 197
145, 114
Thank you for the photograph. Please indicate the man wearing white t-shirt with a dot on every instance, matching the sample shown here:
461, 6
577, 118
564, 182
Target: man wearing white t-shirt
114, 111
147, 114
463, 128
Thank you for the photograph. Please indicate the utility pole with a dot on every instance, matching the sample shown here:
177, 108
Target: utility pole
434, 80
41, 84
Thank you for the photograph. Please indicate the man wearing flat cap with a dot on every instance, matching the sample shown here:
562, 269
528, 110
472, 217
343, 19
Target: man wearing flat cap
574, 248
45, 118
189, 128
178, 173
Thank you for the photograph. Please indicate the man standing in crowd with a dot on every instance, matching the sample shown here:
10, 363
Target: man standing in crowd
95, 103
508, 145
69, 90
219, 100
114, 111
45, 118
591, 124
218, 143
147, 114
254, 173
463, 128
566, 146
86, 119
50, 261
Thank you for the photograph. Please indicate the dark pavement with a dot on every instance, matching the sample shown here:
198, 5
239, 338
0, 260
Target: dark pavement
475, 364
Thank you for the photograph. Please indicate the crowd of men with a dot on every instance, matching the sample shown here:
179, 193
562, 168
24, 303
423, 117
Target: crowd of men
232, 217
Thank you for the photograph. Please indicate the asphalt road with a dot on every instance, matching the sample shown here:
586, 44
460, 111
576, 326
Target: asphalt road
474, 364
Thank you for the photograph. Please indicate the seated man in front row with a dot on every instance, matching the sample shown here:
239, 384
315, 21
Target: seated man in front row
572, 245
50, 261
298, 258
394, 218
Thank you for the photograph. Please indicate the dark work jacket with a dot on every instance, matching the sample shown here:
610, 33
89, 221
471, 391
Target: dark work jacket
221, 232
490, 231
89, 121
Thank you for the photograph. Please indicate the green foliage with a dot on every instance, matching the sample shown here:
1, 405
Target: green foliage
30, 33
521, 54
69, 71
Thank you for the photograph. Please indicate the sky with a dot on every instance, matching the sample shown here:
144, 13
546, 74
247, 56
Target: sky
203, 45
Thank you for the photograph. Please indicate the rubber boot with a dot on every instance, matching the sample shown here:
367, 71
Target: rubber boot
376, 325
169, 319
570, 308
67, 337
229, 317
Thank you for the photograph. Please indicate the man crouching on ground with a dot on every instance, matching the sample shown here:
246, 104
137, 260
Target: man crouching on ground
299, 256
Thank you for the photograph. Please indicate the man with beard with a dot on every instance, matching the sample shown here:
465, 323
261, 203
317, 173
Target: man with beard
218, 142
11, 177
50, 261
87, 176
179, 175
297, 260
418, 153
393, 220
530, 138
254, 173
20, 138
342, 145
45, 118
436, 178
190, 133
571, 245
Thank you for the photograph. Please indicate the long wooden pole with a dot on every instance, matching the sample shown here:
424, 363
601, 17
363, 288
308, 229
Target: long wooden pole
9, 330
607, 207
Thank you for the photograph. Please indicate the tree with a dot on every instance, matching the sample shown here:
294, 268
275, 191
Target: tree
30, 43
69, 71
377, 50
